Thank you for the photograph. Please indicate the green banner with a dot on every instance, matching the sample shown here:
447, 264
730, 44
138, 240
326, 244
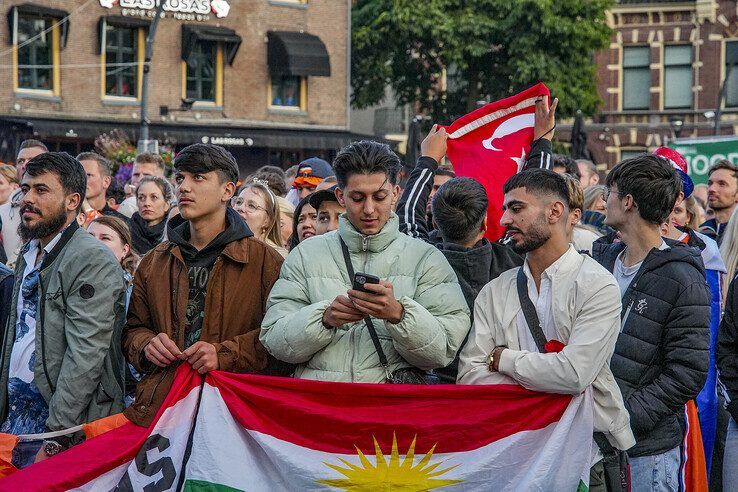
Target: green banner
702, 153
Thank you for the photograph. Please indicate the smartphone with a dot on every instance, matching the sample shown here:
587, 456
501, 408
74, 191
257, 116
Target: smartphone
361, 279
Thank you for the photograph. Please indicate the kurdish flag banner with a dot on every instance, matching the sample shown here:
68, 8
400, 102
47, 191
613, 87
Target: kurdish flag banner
242, 432
491, 143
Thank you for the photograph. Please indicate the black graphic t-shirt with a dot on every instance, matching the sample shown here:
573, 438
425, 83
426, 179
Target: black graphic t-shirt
198, 282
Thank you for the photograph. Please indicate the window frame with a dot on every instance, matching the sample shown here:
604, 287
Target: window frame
624, 69
55, 49
217, 79
734, 73
140, 50
302, 91
682, 65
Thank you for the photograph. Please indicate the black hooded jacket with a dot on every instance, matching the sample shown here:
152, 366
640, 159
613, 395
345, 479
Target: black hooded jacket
662, 354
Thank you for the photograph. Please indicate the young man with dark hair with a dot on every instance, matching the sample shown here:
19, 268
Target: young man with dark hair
722, 197
99, 177
200, 296
69, 299
10, 211
573, 303
661, 356
318, 320
563, 164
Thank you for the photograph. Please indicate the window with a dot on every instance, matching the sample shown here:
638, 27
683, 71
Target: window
122, 46
636, 77
731, 76
36, 42
287, 91
201, 71
678, 77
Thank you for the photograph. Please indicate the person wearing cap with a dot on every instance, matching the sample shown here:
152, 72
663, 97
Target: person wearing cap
707, 400
199, 297
310, 173
661, 357
329, 210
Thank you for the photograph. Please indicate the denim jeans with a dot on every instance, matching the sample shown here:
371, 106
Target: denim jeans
25, 452
730, 458
657, 473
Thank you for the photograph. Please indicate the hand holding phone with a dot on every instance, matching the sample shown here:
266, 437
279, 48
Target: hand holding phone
361, 279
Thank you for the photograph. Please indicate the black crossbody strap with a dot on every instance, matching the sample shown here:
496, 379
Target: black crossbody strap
529, 311
367, 319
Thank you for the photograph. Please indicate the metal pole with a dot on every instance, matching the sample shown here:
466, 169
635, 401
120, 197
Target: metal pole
144, 144
721, 96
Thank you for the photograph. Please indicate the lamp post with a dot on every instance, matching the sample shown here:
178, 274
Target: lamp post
677, 125
144, 143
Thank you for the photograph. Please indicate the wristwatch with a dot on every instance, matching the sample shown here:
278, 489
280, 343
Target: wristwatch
491, 358
52, 447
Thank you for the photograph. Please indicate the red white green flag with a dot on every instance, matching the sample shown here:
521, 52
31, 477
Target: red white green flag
244, 432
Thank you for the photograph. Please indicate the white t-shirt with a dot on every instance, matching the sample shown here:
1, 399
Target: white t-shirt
625, 275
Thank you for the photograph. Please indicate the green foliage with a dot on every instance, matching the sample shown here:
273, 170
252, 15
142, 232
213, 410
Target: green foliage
489, 49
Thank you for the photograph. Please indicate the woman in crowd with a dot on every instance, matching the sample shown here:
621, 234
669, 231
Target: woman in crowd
286, 217
114, 233
594, 198
687, 214
8, 182
258, 206
303, 223
729, 247
153, 197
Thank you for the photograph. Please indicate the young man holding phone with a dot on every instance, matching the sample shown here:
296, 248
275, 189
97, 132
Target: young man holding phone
317, 318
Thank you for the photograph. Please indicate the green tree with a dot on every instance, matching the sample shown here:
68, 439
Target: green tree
445, 55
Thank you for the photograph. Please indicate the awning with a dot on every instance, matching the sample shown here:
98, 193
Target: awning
191, 34
118, 21
297, 53
39, 11
185, 134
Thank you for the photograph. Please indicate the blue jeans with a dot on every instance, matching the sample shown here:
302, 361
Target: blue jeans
730, 458
657, 473
24, 453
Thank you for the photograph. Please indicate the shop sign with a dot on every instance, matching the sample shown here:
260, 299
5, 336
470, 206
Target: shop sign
187, 10
233, 141
703, 153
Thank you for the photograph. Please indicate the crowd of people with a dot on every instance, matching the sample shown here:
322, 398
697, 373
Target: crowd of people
343, 272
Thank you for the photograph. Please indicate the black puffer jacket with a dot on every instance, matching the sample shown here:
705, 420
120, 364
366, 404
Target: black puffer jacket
662, 353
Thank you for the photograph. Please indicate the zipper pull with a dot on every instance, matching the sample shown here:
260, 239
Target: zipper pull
364, 243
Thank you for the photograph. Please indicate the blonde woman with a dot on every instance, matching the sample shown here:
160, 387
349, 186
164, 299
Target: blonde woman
729, 247
286, 216
258, 206
8, 182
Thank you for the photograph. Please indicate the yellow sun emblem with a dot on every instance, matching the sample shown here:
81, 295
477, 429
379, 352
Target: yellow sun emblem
391, 475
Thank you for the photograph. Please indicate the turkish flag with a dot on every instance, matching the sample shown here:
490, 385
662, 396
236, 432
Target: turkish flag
491, 144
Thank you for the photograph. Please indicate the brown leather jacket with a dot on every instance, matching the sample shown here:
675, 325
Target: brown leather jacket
239, 285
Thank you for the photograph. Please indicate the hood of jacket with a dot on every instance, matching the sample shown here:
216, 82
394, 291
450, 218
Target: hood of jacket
375, 243
178, 232
709, 249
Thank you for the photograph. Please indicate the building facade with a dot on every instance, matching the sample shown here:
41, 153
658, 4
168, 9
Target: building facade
671, 71
268, 79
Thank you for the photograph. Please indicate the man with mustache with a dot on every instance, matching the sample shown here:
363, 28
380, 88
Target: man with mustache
550, 325
68, 299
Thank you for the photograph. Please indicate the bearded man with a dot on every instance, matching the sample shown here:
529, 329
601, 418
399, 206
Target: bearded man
69, 301
551, 325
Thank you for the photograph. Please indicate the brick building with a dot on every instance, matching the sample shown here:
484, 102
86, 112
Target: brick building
268, 79
662, 74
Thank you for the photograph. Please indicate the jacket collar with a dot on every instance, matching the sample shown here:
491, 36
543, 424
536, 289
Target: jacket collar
375, 243
63, 240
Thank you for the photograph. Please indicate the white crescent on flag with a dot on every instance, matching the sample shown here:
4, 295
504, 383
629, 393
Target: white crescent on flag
508, 127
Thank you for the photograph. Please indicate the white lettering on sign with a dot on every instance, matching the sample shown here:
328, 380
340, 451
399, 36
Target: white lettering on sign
228, 141
201, 8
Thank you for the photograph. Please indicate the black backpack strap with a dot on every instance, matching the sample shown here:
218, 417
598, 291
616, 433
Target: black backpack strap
529, 311
367, 319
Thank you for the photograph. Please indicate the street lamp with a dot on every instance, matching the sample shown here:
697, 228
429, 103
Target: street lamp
677, 125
